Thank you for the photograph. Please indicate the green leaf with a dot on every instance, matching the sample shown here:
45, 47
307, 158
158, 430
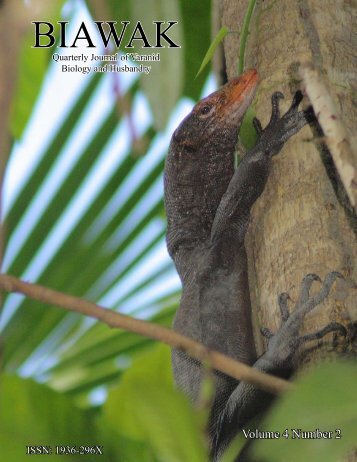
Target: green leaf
28, 85
152, 367
95, 358
247, 133
32, 414
146, 407
163, 85
210, 52
111, 10
244, 35
44, 225
323, 400
33, 63
196, 28
230, 454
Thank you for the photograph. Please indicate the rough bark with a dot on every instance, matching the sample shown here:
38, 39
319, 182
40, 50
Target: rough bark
302, 223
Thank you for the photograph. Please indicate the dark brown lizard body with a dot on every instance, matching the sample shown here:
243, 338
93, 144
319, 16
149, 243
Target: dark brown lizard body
208, 206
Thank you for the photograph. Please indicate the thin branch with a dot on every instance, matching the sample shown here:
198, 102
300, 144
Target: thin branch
331, 122
194, 349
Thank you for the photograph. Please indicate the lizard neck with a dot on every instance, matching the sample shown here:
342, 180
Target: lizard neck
193, 190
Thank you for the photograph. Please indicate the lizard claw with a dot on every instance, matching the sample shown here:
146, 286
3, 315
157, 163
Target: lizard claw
257, 125
267, 333
306, 285
283, 306
298, 97
275, 113
332, 327
326, 287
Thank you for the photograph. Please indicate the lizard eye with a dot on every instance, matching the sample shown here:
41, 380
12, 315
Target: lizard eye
206, 109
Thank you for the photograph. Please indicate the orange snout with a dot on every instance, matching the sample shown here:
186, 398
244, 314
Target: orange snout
242, 87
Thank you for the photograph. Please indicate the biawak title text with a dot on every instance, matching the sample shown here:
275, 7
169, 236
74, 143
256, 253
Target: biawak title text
126, 36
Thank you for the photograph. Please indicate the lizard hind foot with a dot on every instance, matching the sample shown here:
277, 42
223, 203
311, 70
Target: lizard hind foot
283, 345
307, 303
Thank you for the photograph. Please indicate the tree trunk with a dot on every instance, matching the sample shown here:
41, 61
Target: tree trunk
301, 224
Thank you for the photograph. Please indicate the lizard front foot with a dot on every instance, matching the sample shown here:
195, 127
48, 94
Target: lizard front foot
283, 345
281, 128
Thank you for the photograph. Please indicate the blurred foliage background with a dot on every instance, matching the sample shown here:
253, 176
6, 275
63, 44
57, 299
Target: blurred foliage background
83, 214
87, 217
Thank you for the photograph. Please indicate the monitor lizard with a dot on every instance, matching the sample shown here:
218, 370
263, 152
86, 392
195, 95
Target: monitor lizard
208, 205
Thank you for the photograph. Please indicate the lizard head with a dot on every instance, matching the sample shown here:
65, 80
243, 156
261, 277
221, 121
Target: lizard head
200, 161
219, 114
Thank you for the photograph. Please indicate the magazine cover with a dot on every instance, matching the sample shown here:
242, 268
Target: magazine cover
178, 230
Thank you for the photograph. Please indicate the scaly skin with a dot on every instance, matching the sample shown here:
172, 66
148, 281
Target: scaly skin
208, 205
